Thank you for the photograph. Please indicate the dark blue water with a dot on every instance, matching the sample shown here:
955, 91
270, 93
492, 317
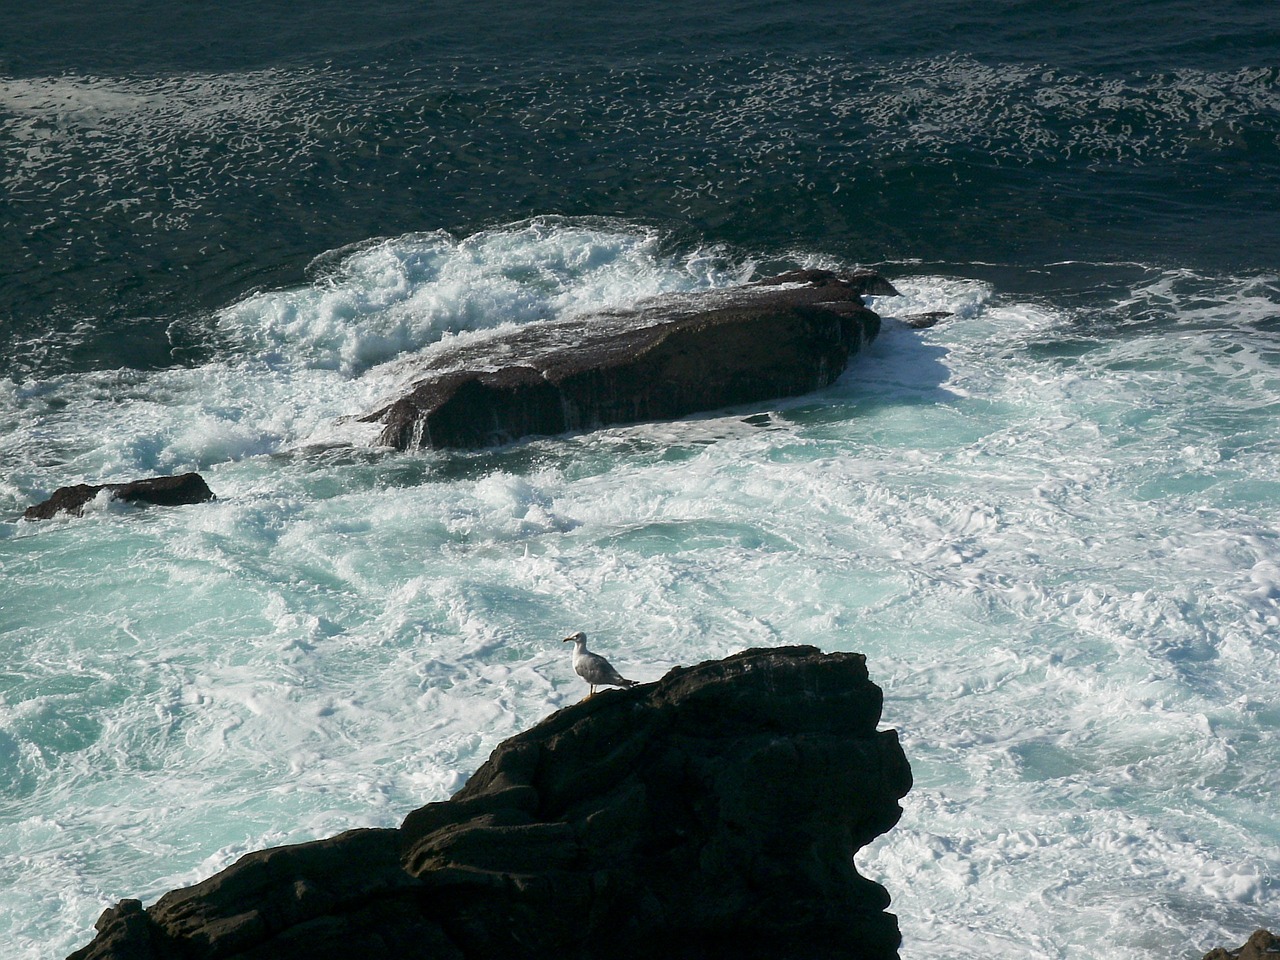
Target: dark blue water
160, 162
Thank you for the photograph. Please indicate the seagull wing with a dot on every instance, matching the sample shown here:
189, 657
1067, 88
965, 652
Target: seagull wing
595, 669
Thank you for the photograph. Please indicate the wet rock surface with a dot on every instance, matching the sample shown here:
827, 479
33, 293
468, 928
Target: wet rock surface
668, 357
157, 491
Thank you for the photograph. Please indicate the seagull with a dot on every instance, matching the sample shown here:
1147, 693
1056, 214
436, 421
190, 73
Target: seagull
594, 668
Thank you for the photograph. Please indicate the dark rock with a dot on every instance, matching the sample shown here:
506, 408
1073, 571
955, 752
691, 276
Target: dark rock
714, 813
123, 931
1263, 945
161, 491
922, 321
668, 357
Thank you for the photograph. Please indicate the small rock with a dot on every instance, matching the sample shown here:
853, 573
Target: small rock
921, 321
161, 491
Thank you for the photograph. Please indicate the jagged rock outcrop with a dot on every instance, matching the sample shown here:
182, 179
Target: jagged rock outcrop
160, 491
1262, 945
668, 357
712, 814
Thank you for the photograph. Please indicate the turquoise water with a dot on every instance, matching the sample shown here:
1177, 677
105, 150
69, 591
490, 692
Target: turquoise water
1050, 521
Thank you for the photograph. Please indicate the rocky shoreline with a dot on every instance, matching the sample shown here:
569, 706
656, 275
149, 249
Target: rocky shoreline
713, 813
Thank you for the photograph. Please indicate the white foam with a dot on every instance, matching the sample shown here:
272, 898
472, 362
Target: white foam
406, 293
1062, 567
309, 360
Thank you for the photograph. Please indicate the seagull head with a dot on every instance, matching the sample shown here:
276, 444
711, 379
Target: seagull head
578, 637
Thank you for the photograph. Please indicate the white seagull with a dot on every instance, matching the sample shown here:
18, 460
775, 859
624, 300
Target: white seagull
593, 668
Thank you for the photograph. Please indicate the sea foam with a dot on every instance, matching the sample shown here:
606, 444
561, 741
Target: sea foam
1051, 528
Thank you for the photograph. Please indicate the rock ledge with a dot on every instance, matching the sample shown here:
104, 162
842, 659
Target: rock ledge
714, 813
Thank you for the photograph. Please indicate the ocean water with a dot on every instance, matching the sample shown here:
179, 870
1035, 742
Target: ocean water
1051, 522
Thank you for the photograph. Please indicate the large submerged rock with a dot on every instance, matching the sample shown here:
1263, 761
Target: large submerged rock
159, 491
712, 814
667, 357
